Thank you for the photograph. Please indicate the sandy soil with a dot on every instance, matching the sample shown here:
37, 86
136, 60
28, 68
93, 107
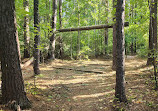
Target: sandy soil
71, 90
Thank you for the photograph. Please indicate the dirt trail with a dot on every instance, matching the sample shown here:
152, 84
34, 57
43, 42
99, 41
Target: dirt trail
69, 90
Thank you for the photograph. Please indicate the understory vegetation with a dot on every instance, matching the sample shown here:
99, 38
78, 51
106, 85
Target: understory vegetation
78, 55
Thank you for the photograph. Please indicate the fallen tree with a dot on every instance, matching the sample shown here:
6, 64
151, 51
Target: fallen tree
98, 72
88, 28
26, 64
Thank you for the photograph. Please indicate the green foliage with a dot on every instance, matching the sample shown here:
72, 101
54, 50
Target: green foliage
31, 89
86, 13
84, 52
142, 51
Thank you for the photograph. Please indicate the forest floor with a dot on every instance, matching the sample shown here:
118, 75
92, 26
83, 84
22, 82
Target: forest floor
60, 89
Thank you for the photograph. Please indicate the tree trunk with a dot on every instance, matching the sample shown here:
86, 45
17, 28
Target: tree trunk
120, 49
48, 7
132, 47
71, 49
26, 31
12, 80
51, 51
18, 43
135, 45
79, 33
60, 26
132, 40
106, 30
135, 39
114, 39
106, 36
78, 45
152, 31
36, 39
88, 39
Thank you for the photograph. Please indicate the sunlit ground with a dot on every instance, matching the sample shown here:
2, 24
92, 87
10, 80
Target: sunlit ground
71, 90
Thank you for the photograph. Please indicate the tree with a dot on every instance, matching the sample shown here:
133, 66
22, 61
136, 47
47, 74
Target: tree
60, 26
17, 40
120, 50
106, 36
51, 52
114, 38
36, 39
152, 30
12, 80
26, 30
79, 34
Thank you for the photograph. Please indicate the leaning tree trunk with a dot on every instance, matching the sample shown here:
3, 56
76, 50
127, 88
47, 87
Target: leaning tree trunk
120, 49
152, 30
114, 40
18, 43
12, 80
26, 31
36, 39
51, 51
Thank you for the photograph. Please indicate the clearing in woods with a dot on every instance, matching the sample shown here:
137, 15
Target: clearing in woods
63, 87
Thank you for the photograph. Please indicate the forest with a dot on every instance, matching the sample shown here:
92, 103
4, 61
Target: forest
78, 55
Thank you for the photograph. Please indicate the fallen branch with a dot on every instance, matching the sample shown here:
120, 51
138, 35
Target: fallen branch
98, 72
89, 27
26, 64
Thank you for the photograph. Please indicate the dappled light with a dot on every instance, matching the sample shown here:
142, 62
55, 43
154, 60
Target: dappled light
92, 95
78, 55
80, 90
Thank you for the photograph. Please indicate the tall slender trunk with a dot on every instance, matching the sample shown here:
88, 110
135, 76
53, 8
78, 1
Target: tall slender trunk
106, 41
18, 43
78, 44
135, 44
71, 49
88, 37
152, 31
120, 49
133, 34
12, 80
95, 41
26, 31
152, 55
60, 26
36, 39
106, 30
79, 33
135, 39
51, 52
48, 18
132, 47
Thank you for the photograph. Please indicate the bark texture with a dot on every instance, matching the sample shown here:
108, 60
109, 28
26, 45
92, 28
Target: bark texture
120, 49
26, 30
152, 31
51, 52
61, 50
12, 80
36, 39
